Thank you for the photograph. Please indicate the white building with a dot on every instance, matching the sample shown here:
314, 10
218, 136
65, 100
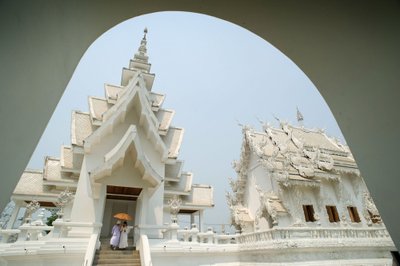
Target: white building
298, 200
303, 188
123, 158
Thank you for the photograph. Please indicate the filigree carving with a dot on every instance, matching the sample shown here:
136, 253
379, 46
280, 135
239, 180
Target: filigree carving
268, 207
236, 166
230, 199
241, 218
303, 165
297, 142
324, 161
371, 213
63, 199
233, 184
174, 204
296, 196
321, 160
31, 207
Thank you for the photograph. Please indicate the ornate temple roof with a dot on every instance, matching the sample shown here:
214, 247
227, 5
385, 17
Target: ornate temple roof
308, 144
173, 141
31, 183
164, 116
89, 128
81, 127
97, 107
293, 156
112, 92
69, 161
52, 171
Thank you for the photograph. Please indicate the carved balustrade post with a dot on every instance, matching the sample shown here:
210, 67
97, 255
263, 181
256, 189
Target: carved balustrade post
63, 199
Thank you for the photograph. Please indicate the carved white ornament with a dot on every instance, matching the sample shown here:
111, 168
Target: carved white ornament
268, 208
174, 206
31, 207
63, 199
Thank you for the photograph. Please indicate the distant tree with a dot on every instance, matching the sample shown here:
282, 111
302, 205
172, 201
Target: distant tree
52, 217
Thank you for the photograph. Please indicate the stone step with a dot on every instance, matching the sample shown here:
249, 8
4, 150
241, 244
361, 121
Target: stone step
116, 256
119, 257
121, 264
106, 247
117, 251
114, 261
105, 244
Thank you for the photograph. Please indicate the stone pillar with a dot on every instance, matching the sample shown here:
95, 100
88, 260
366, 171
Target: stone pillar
191, 218
201, 220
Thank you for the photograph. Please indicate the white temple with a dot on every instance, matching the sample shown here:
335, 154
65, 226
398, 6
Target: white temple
299, 198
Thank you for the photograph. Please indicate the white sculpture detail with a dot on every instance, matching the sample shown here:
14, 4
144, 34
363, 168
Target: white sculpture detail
267, 209
63, 199
31, 207
371, 213
174, 206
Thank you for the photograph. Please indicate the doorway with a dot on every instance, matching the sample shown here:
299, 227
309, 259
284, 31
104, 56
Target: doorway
119, 199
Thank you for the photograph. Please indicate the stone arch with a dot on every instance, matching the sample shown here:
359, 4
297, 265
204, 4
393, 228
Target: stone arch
348, 50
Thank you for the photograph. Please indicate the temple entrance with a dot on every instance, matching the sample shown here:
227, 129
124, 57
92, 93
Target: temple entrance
119, 200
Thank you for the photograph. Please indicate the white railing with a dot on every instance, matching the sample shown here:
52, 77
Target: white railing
172, 232
144, 251
7, 233
152, 231
91, 250
32, 232
61, 228
312, 233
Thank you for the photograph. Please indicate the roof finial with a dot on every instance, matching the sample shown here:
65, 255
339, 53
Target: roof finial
142, 48
141, 55
145, 33
299, 116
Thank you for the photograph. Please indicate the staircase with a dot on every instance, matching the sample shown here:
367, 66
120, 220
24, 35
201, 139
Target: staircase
107, 256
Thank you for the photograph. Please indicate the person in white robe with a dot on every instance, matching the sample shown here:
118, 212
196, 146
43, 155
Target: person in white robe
116, 233
123, 241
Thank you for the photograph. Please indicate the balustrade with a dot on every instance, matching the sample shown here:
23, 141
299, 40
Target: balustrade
314, 233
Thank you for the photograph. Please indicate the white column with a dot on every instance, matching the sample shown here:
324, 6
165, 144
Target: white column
13, 217
201, 222
191, 219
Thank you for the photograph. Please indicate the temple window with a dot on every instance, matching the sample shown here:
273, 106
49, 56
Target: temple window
355, 218
309, 213
333, 214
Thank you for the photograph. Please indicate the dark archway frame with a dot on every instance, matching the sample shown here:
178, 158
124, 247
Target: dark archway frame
349, 49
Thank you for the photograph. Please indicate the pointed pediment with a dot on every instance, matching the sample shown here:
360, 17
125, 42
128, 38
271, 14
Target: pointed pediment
133, 98
128, 74
114, 159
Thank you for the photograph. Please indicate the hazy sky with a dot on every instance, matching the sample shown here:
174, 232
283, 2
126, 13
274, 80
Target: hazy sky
214, 74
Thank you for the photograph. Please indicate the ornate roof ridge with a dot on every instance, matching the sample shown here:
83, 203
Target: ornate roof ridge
31, 170
50, 157
80, 112
97, 98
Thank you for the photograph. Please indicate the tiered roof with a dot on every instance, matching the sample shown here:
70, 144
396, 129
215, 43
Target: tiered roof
293, 156
88, 128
